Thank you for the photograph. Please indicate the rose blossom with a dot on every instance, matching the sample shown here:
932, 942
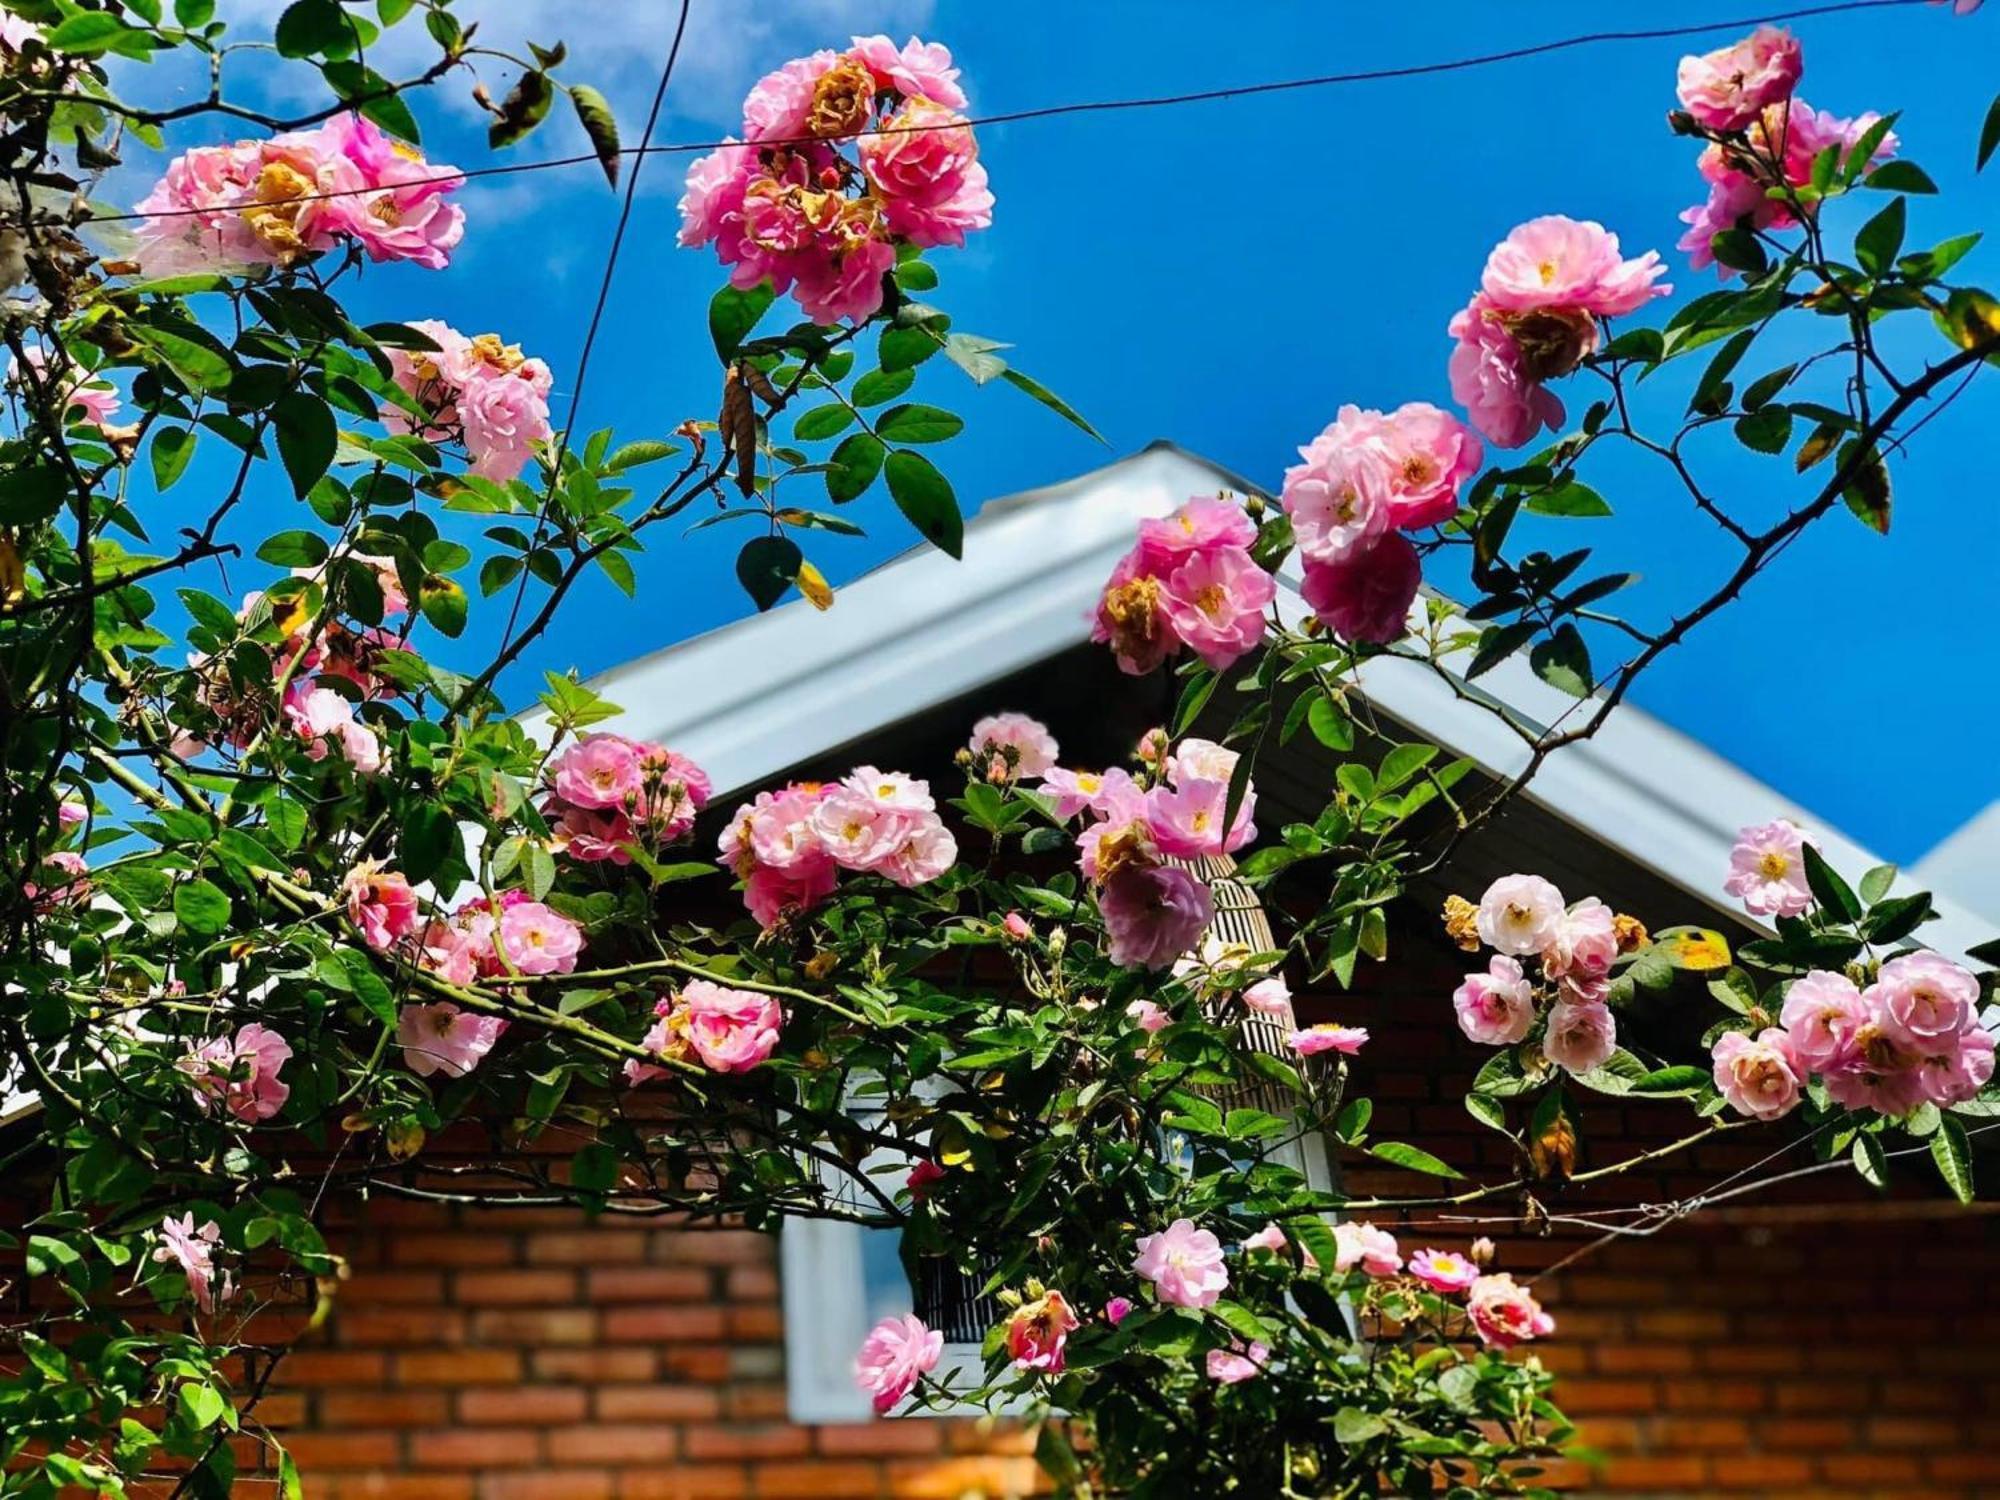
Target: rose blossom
1497, 1007
1327, 1038
76, 396
1881, 1072
1520, 914
896, 1354
1366, 595
1270, 1238
1270, 997
1148, 1016
1492, 380
193, 1250
320, 717
1955, 1076
598, 771
1728, 88
1236, 1364
1923, 1001
1821, 1015
1335, 508
1116, 1309
537, 940
1581, 1035
1184, 1264
241, 1073
1759, 1078
1186, 818
380, 903
441, 1038
1767, 869
1569, 264
731, 1031
1035, 749
1442, 1271
1504, 1314
924, 165
1038, 1332
916, 69
1073, 791
1215, 602
1153, 915
922, 1175
1365, 1248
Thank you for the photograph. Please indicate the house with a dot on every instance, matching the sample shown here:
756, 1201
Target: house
1810, 1340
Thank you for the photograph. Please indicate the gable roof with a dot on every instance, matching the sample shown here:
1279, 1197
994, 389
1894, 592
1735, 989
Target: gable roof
753, 698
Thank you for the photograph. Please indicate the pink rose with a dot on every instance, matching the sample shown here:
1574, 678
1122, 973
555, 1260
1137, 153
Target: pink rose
1184, 1264
241, 1073
1586, 942
921, 1177
896, 1354
1442, 1271
1955, 1075
1504, 1314
598, 771
1237, 1363
1759, 1078
1328, 1038
1881, 1071
1492, 380
924, 165
1822, 1013
1116, 1309
1729, 88
83, 399
1366, 595
1038, 1333
537, 940
442, 1038
1571, 265
1148, 1015
1153, 915
774, 896
1520, 914
780, 103
1034, 748
1186, 819
1365, 1248
1335, 506
1497, 1007
193, 1250
915, 70
1581, 1035
731, 1031
1204, 525
1923, 1001
1767, 870
1271, 998
380, 903
1215, 602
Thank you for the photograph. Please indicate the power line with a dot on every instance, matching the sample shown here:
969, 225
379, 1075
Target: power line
1098, 106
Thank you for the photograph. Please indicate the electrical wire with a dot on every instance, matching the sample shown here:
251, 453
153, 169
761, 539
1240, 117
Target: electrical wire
1099, 106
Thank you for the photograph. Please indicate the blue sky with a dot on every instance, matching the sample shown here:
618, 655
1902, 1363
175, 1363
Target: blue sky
1227, 275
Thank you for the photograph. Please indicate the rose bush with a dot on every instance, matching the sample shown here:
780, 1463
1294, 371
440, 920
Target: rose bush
290, 895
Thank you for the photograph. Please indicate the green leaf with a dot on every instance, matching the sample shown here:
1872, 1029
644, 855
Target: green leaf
594, 1169
1952, 1151
1989, 135
366, 985
308, 27
916, 423
1766, 430
1900, 177
307, 436
733, 312
201, 906
29, 495
766, 567
1674, 1080
202, 367
86, 35
1834, 894
1563, 661
172, 448
1880, 240
1896, 917
925, 498
1330, 722
1353, 1426
634, 454
1867, 490
1033, 387
1398, 1154
1870, 1160
1487, 1110
853, 467
430, 837
822, 422
525, 107
1496, 644
905, 348
443, 603
1572, 499
593, 112
1876, 882
975, 356
203, 1405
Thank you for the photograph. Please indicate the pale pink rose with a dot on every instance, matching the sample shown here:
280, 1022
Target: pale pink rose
1728, 88
1366, 596
1497, 1007
1152, 747
441, 1038
1122, 834
1822, 1013
322, 718
1881, 1072
70, 813
1365, 1248
896, 1354
1153, 916
1442, 1271
731, 1031
1184, 1264
927, 851
1570, 264
1767, 869
1237, 1363
922, 1176
240, 1073
1760, 1078
193, 1250
1953, 1076
846, 286
892, 788
1073, 791
1504, 1314
444, 949
86, 400
924, 167
860, 832
1186, 820
1132, 616
1038, 1333
1270, 1238
1336, 507
1520, 914
1492, 381
914, 70
1586, 942
196, 221
1216, 601
712, 207
778, 827
774, 896
1149, 1015
661, 1040
380, 903
64, 882
1581, 1035
780, 103
1203, 526
1016, 927
1422, 457
1923, 1000
405, 217
592, 837
1034, 748
1116, 1310
537, 940
504, 418
1206, 760
1328, 1038
1270, 997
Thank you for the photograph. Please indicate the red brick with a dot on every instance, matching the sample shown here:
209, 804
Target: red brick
344, 1450
537, 1325
649, 1284
549, 1484
317, 1367
452, 1249
1759, 1471
721, 1440
532, 1405
382, 1408
459, 1367
475, 1448
919, 1479
617, 1443
686, 1482
398, 1486
422, 1288
595, 1366
1636, 1473
819, 1481
587, 1247
659, 1403
880, 1439
515, 1288
663, 1324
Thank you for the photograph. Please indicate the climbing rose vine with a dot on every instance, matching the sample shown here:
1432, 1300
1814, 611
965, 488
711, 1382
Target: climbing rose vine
295, 906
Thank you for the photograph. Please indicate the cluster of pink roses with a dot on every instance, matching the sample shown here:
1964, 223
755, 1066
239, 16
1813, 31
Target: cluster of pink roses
788, 846
1535, 318
1762, 140
727, 1030
607, 793
1912, 1036
272, 202
491, 940
787, 205
1190, 581
1154, 911
476, 391
1524, 917
240, 1073
1363, 482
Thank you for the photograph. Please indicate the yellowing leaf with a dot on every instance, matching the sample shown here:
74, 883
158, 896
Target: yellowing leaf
1701, 950
812, 583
